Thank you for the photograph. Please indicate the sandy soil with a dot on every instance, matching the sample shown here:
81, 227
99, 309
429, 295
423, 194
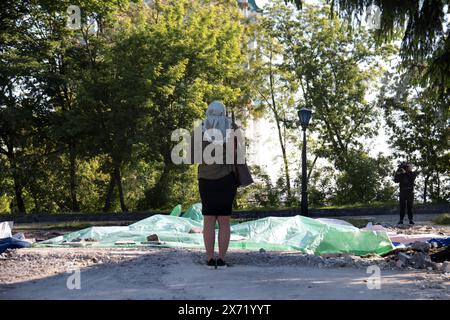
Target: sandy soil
164, 273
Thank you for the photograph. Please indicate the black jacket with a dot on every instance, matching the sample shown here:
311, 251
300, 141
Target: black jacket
406, 180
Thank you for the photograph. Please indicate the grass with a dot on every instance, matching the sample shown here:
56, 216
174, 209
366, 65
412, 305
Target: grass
443, 219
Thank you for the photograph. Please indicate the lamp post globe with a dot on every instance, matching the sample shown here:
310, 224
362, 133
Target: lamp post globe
304, 115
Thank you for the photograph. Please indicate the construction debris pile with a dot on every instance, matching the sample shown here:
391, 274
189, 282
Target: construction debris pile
420, 250
297, 233
324, 242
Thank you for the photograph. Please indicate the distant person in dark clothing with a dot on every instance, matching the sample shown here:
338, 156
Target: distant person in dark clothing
405, 176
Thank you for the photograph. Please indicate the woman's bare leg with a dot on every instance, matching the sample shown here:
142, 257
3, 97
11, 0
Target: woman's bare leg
224, 235
209, 235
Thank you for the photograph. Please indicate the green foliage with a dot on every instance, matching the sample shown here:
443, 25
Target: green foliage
196, 54
419, 131
92, 181
260, 194
321, 191
86, 115
334, 70
330, 70
423, 27
90, 129
364, 179
5, 204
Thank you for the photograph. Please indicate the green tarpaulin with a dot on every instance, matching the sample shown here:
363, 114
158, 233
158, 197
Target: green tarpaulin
272, 233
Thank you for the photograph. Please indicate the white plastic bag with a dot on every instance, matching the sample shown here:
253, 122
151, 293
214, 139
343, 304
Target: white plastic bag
5, 229
19, 236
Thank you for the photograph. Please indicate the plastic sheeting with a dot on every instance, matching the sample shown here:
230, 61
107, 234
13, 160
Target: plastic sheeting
405, 239
13, 243
272, 233
194, 212
441, 242
5, 229
411, 238
9, 241
176, 211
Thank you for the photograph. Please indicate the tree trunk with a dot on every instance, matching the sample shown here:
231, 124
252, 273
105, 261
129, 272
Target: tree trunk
19, 197
119, 186
17, 186
280, 135
438, 191
112, 184
37, 207
431, 188
73, 185
425, 187
312, 166
158, 195
285, 161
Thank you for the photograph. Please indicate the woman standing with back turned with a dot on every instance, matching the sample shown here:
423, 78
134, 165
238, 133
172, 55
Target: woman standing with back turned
217, 185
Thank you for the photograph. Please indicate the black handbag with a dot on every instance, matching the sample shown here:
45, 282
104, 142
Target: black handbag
241, 171
243, 175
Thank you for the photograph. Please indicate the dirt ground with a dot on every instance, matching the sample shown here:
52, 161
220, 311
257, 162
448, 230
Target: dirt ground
180, 274
165, 273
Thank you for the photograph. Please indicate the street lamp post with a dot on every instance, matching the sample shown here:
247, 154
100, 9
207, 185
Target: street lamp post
304, 115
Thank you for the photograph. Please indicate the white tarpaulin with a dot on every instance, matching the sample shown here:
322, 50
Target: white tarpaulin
404, 238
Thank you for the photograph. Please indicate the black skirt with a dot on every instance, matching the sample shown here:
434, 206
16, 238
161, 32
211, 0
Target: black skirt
217, 195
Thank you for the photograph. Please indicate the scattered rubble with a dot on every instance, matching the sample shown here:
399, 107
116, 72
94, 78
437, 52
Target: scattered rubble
125, 242
153, 237
417, 260
421, 246
421, 260
196, 230
78, 242
420, 255
159, 271
27, 264
446, 266
440, 254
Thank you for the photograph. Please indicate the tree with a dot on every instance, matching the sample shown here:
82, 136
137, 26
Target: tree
114, 93
418, 131
40, 60
321, 190
334, 70
78, 104
275, 91
18, 107
366, 179
262, 193
425, 29
195, 48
